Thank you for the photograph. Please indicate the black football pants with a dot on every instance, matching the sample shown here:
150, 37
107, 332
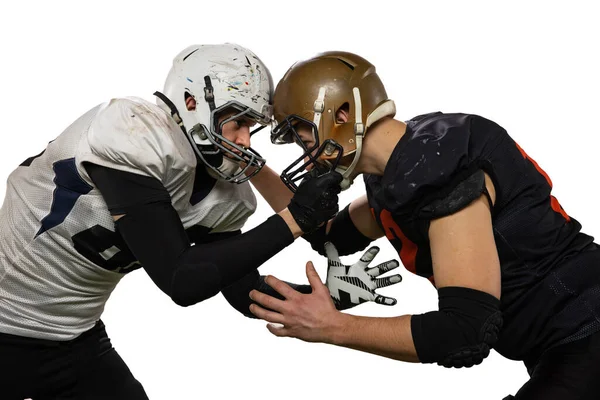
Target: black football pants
567, 372
85, 368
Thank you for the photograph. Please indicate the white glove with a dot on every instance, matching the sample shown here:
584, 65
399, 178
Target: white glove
351, 285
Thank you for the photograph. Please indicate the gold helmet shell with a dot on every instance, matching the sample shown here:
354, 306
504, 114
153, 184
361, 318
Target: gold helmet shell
316, 88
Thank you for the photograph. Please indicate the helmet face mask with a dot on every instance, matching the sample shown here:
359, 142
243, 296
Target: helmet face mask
219, 146
228, 83
316, 160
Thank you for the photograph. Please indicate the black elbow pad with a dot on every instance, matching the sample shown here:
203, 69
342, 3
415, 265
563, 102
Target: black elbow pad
462, 332
193, 283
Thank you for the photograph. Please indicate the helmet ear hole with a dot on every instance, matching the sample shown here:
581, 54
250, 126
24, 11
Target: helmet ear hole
190, 101
342, 114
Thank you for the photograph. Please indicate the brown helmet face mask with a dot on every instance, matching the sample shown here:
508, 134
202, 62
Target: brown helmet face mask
310, 95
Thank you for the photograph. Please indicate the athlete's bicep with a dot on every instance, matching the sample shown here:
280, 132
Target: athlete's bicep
463, 248
122, 190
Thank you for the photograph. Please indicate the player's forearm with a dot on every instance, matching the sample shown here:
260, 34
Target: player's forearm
237, 294
290, 222
193, 273
387, 337
272, 189
231, 259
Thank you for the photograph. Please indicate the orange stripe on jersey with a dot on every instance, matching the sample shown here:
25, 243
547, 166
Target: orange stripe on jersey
408, 251
558, 208
535, 164
553, 201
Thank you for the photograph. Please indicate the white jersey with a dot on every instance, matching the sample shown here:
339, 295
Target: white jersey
60, 257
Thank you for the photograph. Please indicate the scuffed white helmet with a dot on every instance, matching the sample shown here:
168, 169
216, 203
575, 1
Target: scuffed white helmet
222, 79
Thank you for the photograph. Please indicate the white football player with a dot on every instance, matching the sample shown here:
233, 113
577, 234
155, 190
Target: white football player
133, 184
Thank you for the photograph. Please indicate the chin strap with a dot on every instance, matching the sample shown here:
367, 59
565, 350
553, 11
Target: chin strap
209, 95
174, 111
359, 133
385, 109
212, 160
319, 106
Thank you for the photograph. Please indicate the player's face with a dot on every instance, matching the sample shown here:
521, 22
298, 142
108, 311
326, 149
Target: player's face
305, 131
237, 130
307, 137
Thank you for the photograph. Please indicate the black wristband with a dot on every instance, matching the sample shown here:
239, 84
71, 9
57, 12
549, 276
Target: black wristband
344, 235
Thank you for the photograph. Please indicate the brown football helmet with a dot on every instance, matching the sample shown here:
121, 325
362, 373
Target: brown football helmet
311, 93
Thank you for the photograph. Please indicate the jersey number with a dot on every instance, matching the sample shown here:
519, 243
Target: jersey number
106, 249
99, 245
407, 249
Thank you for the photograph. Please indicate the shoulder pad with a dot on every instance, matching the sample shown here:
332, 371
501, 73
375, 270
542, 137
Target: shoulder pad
463, 194
133, 135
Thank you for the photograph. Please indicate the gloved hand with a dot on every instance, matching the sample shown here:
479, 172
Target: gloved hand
316, 200
351, 285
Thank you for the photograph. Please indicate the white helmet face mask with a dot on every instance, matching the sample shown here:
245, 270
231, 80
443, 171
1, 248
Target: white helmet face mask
225, 79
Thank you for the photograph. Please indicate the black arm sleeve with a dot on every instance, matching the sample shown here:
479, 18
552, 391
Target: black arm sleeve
152, 230
237, 294
122, 190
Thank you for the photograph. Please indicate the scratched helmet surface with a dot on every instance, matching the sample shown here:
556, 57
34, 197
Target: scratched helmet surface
223, 79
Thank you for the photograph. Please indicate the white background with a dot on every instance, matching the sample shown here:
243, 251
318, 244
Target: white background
531, 67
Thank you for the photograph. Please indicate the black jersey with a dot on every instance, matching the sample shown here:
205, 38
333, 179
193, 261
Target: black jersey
550, 270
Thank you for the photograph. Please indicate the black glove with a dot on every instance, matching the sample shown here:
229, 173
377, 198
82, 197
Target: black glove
316, 200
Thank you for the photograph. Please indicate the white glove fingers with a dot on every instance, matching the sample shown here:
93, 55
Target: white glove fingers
388, 281
386, 301
368, 256
383, 268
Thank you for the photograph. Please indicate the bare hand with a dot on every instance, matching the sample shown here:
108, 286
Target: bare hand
309, 317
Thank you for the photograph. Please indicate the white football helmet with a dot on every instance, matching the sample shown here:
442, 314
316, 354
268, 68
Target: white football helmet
222, 79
